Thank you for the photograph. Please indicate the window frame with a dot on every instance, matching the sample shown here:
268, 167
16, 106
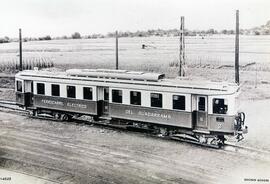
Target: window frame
21, 86
113, 97
205, 103
160, 100
67, 89
225, 106
37, 85
84, 95
58, 90
132, 98
173, 102
106, 94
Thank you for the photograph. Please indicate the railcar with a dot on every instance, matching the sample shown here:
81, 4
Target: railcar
201, 111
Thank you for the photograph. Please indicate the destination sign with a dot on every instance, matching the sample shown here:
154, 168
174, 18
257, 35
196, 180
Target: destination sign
148, 114
52, 102
61, 103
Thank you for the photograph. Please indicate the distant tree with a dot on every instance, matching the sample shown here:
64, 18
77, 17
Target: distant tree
76, 35
4, 40
231, 32
64, 37
210, 31
48, 37
267, 32
256, 32
224, 31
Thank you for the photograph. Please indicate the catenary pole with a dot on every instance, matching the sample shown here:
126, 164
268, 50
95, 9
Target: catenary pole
116, 50
20, 49
237, 49
182, 48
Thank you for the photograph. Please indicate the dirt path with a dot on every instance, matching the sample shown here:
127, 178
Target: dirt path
71, 153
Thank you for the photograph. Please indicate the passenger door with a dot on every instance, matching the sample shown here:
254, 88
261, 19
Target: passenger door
28, 90
106, 101
103, 101
200, 112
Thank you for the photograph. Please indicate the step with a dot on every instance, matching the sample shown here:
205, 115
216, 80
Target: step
202, 131
105, 117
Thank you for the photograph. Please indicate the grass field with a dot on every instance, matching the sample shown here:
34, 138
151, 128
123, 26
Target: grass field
214, 50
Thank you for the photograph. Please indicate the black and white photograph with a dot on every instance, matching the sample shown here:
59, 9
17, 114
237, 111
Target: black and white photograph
134, 91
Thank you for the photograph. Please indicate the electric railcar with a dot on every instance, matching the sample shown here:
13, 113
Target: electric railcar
200, 111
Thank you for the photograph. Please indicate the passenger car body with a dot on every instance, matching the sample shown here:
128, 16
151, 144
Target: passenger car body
189, 106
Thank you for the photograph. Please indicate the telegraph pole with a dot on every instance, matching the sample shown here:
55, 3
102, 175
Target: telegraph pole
182, 48
237, 48
116, 50
20, 49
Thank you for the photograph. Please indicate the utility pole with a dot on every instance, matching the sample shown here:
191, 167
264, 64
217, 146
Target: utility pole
237, 48
20, 49
182, 48
116, 50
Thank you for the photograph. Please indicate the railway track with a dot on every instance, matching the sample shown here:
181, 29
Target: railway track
228, 146
11, 105
245, 150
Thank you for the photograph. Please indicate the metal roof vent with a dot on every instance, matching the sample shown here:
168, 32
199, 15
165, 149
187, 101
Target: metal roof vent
116, 74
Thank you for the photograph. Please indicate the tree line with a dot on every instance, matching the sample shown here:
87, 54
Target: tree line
263, 30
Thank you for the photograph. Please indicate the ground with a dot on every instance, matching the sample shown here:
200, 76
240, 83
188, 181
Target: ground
75, 153
48, 152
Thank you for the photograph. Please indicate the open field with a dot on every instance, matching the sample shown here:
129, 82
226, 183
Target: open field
211, 58
212, 50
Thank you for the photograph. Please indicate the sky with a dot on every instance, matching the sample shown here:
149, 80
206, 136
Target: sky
64, 17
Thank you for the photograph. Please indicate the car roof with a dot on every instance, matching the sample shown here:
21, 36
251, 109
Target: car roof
143, 80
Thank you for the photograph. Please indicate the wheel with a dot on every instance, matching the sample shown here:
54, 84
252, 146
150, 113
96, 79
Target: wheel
32, 113
203, 139
56, 115
64, 117
95, 118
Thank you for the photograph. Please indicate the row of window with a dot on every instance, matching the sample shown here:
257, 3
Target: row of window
71, 91
117, 96
179, 101
219, 105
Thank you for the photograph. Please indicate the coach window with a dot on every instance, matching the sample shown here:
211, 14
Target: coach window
179, 102
117, 96
135, 97
87, 93
55, 90
156, 100
220, 106
71, 92
106, 94
19, 86
40, 89
201, 103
